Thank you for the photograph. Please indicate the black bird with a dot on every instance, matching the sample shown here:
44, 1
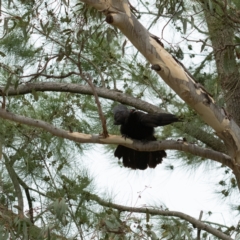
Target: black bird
140, 126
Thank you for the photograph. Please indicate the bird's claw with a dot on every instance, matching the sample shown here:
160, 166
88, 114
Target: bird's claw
125, 136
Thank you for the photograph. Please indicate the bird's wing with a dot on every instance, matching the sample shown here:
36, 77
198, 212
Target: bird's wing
121, 113
156, 119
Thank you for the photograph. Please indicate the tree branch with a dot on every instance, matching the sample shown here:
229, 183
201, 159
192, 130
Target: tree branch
153, 211
113, 139
199, 134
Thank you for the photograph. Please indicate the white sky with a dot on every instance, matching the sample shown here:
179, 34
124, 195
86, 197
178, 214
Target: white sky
178, 190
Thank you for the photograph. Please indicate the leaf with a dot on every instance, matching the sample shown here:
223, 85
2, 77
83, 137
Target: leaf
61, 55
153, 236
192, 21
110, 35
210, 6
66, 2
44, 27
194, 9
5, 24
12, 235
68, 46
109, 224
25, 230
35, 95
237, 39
2, 54
60, 207
16, 84
48, 234
9, 81
68, 49
123, 47
147, 216
99, 34
184, 22
204, 44
5, 236
177, 14
67, 31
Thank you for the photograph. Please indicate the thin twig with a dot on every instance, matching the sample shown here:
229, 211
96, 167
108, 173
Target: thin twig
30, 205
43, 69
169, 20
4, 99
88, 79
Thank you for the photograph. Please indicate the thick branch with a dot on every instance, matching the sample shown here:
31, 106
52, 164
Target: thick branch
199, 134
82, 89
113, 139
153, 211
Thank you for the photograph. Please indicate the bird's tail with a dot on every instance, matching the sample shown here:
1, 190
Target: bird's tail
139, 160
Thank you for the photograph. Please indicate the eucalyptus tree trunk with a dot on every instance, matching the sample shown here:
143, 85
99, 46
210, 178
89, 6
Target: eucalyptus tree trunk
221, 31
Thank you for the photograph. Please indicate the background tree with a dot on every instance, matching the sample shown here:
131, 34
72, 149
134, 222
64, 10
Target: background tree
65, 65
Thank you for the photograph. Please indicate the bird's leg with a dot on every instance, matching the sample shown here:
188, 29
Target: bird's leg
125, 136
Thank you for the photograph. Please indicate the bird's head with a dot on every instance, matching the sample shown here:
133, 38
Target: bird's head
121, 113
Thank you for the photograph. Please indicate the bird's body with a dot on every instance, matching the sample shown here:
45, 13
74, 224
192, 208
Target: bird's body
140, 126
